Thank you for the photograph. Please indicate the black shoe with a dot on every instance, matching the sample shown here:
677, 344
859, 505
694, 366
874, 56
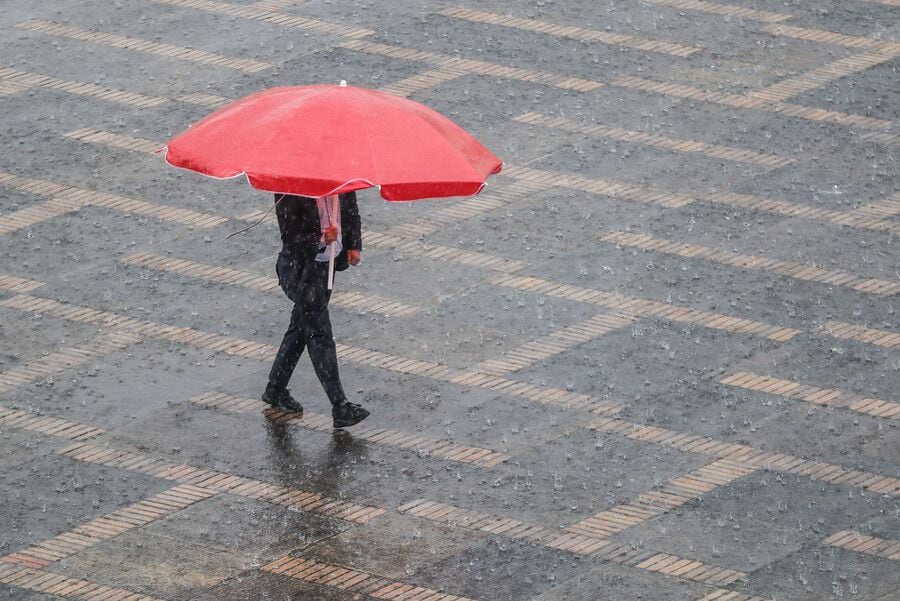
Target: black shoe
348, 414
281, 398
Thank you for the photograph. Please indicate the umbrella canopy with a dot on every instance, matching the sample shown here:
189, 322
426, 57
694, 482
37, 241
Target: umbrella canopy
321, 140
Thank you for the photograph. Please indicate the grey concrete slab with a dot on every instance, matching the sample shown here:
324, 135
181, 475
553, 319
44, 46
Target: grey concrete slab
331, 65
254, 530
597, 473
874, 20
816, 571
22, 594
32, 336
809, 510
447, 331
826, 245
250, 585
14, 200
431, 408
646, 362
502, 570
859, 93
47, 496
718, 539
19, 446
435, 278
468, 416
837, 368
97, 392
338, 465
611, 582
395, 547
743, 293
176, 567
841, 436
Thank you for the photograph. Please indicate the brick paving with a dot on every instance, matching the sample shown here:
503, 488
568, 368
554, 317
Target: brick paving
655, 359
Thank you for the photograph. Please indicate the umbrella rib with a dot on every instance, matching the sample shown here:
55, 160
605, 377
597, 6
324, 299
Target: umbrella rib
403, 103
276, 132
365, 123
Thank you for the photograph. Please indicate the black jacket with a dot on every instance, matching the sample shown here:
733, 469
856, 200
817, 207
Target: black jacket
298, 220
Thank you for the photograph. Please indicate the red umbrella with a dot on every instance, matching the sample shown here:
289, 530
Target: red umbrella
324, 139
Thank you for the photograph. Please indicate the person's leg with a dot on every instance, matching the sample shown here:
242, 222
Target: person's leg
289, 352
316, 326
289, 267
322, 352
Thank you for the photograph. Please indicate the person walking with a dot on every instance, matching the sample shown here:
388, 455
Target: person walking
307, 226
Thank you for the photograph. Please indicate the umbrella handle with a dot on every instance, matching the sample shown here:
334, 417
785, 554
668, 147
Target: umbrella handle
334, 209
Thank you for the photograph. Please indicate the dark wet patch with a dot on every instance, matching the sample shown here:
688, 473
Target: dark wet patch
394, 546
502, 570
254, 529
153, 564
611, 582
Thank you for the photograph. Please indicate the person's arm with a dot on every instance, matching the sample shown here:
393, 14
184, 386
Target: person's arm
352, 226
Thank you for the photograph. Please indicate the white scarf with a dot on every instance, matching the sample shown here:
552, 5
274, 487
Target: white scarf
325, 219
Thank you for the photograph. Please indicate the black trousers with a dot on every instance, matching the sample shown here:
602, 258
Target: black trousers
305, 281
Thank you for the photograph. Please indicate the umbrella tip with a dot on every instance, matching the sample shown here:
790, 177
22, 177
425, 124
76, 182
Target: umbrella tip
343, 83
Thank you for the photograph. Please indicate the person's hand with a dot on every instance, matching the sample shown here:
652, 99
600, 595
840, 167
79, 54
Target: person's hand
353, 256
330, 234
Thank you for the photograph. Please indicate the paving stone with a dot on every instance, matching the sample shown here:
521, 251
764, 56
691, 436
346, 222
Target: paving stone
21, 594
260, 585
51, 495
154, 564
502, 570
610, 581
631, 365
808, 508
96, 392
18, 447
597, 473
816, 571
255, 530
37, 335
395, 547
717, 538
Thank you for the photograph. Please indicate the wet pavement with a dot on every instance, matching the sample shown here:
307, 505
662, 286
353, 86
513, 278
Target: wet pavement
657, 359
